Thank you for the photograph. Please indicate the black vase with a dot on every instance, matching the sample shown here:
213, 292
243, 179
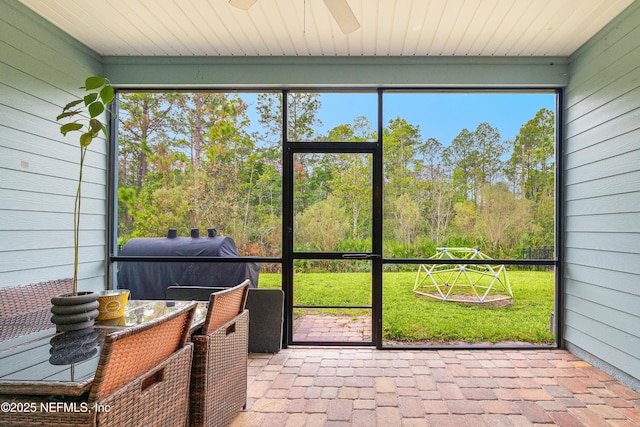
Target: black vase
73, 312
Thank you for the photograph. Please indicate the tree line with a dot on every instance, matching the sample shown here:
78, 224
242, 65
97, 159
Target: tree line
191, 160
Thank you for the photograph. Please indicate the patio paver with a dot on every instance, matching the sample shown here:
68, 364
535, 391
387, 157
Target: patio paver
336, 386
332, 328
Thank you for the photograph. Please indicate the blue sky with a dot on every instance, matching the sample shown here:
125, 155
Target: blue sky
439, 115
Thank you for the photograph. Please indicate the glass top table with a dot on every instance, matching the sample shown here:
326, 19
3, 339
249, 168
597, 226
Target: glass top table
44, 362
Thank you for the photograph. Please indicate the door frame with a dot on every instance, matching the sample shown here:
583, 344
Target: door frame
289, 255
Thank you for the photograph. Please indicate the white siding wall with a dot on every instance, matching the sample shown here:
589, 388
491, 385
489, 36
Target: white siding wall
602, 193
40, 70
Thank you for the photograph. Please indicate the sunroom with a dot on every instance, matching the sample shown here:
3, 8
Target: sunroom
388, 73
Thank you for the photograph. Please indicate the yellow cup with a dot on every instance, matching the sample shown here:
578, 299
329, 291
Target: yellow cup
112, 303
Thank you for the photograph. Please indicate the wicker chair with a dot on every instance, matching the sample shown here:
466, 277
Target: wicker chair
224, 306
26, 308
219, 371
266, 310
142, 379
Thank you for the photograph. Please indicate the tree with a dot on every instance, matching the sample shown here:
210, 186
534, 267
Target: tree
363, 130
158, 207
406, 218
207, 119
322, 226
490, 148
474, 158
400, 142
429, 163
144, 118
531, 169
211, 172
351, 183
465, 219
531, 166
500, 218
461, 159
436, 196
341, 133
144, 124
438, 209
302, 109
266, 205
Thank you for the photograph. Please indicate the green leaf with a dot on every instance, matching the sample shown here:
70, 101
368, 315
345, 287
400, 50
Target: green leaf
107, 94
88, 99
69, 127
96, 126
94, 82
85, 139
67, 114
96, 109
72, 104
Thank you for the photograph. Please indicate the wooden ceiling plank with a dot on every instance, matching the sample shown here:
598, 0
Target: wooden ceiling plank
305, 27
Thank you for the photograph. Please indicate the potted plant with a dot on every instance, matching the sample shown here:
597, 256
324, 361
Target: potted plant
79, 309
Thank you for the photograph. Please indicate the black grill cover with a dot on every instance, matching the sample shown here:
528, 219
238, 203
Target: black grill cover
150, 280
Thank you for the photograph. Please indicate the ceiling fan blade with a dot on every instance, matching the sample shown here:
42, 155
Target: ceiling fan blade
242, 4
343, 15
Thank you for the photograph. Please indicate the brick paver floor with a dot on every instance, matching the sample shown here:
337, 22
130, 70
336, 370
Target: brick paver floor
332, 328
356, 386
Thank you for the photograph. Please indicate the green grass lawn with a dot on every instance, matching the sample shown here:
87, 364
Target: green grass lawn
410, 318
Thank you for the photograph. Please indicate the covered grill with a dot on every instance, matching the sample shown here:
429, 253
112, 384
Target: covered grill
150, 280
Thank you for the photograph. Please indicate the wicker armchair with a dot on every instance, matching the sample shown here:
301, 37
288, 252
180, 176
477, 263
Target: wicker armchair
224, 306
142, 379
219, 371
26, 308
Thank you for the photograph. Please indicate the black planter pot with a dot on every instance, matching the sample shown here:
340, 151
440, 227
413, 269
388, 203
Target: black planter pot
73, 312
